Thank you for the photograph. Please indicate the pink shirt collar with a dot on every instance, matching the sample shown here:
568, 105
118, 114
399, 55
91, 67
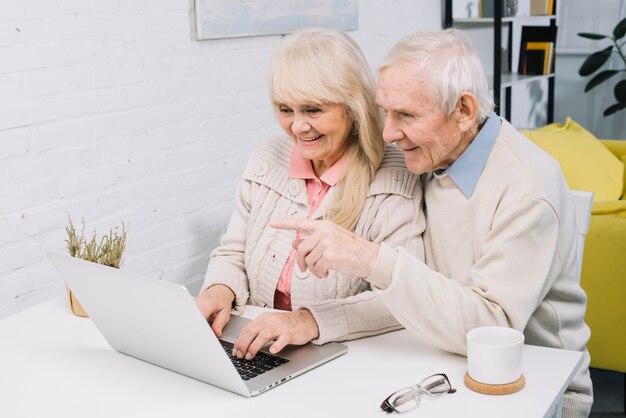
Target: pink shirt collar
301, 168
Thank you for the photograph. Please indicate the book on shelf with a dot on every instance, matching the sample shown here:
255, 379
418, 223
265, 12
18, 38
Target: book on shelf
542, 7
486, 8
536, 58
537, 50
533, 62
539, 58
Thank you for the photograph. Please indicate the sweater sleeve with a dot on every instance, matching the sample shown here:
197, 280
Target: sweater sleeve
503, 287
227, 264
398, 221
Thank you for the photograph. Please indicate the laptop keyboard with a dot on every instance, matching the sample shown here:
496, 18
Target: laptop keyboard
260, 364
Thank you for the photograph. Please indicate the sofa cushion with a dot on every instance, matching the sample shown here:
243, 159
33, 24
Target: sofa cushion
586, 163
610, 208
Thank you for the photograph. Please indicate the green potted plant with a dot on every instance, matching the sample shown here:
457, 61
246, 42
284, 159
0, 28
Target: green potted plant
107, 251
597, 60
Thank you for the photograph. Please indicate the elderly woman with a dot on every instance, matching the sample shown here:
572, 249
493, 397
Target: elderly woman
332, 165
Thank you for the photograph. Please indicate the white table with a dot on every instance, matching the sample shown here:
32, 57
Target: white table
53, 364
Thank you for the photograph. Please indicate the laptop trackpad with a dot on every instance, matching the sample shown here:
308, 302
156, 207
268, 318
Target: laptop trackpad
233, 327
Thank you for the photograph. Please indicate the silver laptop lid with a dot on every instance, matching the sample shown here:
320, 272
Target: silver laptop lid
158, 322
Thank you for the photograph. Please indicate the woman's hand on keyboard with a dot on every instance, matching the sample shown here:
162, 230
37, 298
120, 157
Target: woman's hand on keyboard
215, 304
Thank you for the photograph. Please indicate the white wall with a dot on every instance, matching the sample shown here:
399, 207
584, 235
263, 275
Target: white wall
111, 111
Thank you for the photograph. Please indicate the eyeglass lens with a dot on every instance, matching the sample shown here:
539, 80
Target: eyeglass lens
404, 400
436, 385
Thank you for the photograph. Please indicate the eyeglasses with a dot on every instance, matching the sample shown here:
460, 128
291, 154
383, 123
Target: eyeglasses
409, 398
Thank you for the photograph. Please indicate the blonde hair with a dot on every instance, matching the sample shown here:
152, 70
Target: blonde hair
325, 66
449, 63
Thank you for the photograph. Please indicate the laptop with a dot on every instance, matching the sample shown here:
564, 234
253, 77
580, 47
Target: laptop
158, 322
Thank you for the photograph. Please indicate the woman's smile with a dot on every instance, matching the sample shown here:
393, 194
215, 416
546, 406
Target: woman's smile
310, 140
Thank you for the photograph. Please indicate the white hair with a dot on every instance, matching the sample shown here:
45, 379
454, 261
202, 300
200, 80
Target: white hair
448, 62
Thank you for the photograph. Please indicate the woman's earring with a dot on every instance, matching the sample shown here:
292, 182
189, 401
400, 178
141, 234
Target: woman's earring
354, 131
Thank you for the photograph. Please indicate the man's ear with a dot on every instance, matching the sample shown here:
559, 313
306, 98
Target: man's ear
467, 111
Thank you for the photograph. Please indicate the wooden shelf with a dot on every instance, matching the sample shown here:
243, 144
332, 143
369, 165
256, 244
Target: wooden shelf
511, 79
481, 20
507, 19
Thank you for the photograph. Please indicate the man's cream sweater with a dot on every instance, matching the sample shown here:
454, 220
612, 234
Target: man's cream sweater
252, 254
506, 256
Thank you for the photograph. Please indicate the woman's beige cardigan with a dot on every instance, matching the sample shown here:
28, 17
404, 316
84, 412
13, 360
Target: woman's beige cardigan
252, 254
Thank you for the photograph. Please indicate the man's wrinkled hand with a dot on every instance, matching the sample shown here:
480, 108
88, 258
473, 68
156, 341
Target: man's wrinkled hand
324, 246
283, 328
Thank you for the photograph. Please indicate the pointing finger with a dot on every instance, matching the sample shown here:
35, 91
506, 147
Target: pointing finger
305, 246
295, 243
301, 225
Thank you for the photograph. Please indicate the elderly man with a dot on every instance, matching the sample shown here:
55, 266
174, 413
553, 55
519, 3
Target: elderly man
500, 238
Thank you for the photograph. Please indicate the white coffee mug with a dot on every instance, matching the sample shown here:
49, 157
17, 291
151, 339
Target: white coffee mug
494, 355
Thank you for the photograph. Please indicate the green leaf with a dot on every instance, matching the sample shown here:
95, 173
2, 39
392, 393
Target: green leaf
595, 61
620, 29
600, 78
592, 35
614, 108
620, 92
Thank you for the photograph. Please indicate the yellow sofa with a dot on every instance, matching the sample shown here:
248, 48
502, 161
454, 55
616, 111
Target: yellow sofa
598, 166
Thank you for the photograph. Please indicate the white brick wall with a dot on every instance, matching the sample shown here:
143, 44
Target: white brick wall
111, 111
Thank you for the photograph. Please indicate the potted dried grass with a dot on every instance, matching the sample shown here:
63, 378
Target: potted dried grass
107, 251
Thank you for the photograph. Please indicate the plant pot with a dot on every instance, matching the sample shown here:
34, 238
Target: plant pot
75, 305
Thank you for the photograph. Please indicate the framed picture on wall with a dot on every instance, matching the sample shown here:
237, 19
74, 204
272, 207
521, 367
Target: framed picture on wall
231, 19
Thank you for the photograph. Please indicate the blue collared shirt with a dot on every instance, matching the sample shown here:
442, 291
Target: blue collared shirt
466, 170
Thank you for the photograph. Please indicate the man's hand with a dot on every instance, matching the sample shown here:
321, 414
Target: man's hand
295, 328
325, 246
215, 303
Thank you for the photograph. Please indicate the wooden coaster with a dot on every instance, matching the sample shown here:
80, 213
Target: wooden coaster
486, 389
